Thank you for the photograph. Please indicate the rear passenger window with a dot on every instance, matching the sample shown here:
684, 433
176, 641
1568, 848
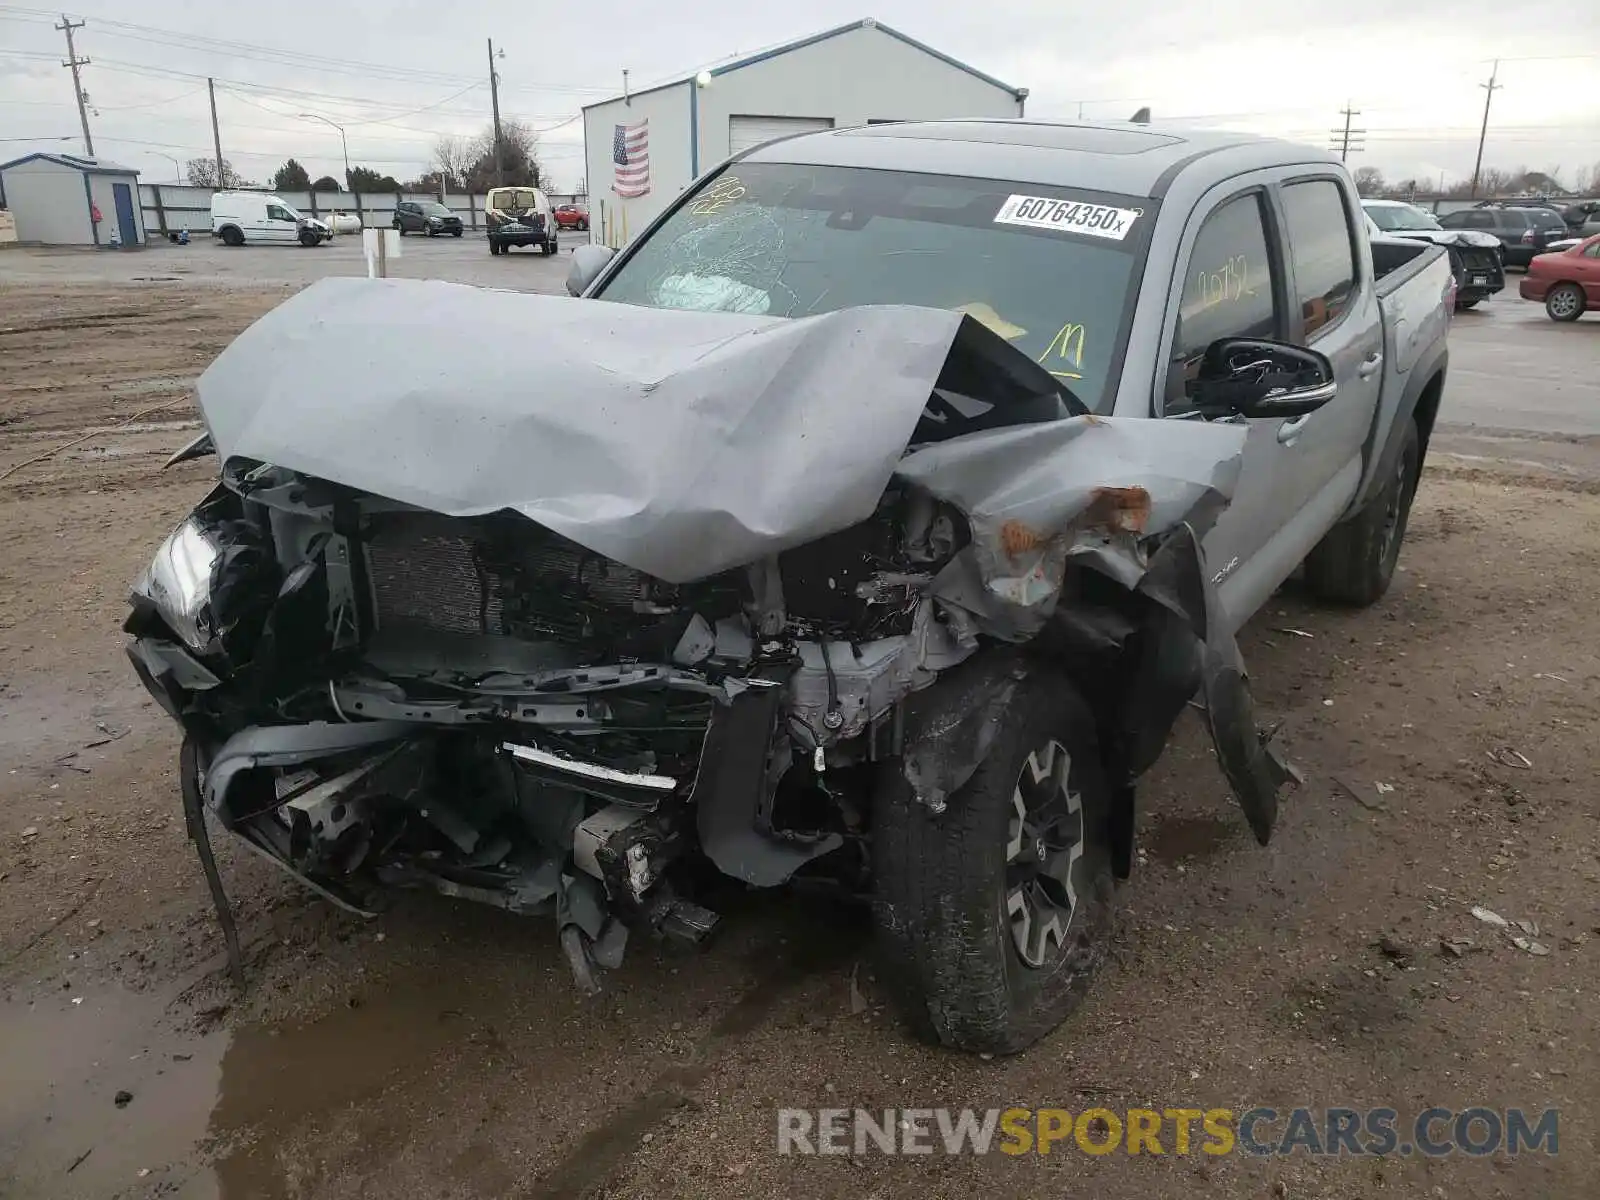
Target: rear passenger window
1321, 250
1513, 220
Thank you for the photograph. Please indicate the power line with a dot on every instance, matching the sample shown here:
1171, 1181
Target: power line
267, 154
181, 40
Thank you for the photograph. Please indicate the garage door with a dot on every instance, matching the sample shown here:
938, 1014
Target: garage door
745, 132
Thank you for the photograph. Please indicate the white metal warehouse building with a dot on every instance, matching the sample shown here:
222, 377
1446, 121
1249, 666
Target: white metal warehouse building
664, 137
53, 198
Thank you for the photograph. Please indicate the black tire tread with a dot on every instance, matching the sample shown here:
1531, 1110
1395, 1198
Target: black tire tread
946, 957
1346, 566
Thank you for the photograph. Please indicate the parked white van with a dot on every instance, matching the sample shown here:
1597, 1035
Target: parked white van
260, 217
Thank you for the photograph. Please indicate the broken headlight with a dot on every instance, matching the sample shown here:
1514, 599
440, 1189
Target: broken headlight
178, 583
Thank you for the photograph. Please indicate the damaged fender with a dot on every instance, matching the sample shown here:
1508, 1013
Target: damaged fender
950, 727
736, 782
1123, 499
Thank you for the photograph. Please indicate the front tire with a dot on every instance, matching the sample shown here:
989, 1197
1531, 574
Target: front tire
994, 915
455, 233
1564, 302
1355, 561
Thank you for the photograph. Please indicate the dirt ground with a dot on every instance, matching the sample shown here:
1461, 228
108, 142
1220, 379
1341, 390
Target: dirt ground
441, 1050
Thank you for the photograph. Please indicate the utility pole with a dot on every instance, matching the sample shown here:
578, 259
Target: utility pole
494, 99
1489, 90
216, 130
1347, 139
75, 62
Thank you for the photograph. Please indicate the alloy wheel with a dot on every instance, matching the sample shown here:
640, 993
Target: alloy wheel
1563, 302
1045, 841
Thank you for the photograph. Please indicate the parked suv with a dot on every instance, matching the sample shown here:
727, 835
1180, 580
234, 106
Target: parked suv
1523, 231
426, 216
1582, 218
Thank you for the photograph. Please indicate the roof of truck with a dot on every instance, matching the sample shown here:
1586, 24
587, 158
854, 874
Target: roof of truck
1105, 156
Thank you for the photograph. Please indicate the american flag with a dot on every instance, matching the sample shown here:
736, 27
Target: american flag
630, 158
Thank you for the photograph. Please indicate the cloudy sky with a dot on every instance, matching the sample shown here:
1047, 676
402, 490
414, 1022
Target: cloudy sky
399, 73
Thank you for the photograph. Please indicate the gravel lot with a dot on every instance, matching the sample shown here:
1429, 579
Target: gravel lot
208, 263
441, 1050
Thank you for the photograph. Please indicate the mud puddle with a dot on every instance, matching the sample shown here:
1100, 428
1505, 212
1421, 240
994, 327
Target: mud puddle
69, 1059
130, 1094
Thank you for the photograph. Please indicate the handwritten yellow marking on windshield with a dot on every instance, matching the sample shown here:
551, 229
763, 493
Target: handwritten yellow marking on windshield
718, 196
1066, 350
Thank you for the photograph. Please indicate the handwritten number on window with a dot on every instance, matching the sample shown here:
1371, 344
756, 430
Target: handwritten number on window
1228, 284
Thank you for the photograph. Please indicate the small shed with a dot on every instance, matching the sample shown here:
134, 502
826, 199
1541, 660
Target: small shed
54, 199
642, 149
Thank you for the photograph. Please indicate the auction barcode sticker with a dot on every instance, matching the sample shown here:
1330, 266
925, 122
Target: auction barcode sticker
1068, 216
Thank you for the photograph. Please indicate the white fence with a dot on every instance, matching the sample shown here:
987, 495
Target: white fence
169, 207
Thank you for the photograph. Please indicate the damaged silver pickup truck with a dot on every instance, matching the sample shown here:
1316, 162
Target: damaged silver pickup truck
870, 520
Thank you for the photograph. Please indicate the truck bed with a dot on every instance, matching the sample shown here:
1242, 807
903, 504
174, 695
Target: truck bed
1396, 260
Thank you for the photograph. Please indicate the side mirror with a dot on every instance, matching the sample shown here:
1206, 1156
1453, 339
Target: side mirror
1251, 377
587, 263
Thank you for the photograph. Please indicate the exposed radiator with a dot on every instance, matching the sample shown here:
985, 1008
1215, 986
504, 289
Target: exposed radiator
494, 575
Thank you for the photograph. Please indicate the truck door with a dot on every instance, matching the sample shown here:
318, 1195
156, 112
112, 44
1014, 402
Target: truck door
1230, 282
1333, 309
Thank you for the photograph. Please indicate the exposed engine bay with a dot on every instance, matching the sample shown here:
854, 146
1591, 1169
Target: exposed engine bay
588, 652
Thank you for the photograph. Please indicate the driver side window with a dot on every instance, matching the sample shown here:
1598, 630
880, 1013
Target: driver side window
1227, 289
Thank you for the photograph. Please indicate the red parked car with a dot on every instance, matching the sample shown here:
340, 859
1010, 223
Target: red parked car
570, 216
1568, 282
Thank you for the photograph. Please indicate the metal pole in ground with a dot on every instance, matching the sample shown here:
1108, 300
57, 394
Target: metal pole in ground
75, 62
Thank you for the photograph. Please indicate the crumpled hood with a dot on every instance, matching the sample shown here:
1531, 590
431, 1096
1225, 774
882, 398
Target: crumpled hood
1448, 237
679, 443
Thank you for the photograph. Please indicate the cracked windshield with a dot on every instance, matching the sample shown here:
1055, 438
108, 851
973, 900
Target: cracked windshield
788, 240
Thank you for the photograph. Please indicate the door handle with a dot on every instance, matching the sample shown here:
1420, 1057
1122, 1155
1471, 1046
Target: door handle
1369, 365
1290, 429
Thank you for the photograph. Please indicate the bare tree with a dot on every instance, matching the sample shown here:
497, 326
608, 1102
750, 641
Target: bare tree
1495, 182
1586, 180
519, 155
454, 156
1369, 181
202, 172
